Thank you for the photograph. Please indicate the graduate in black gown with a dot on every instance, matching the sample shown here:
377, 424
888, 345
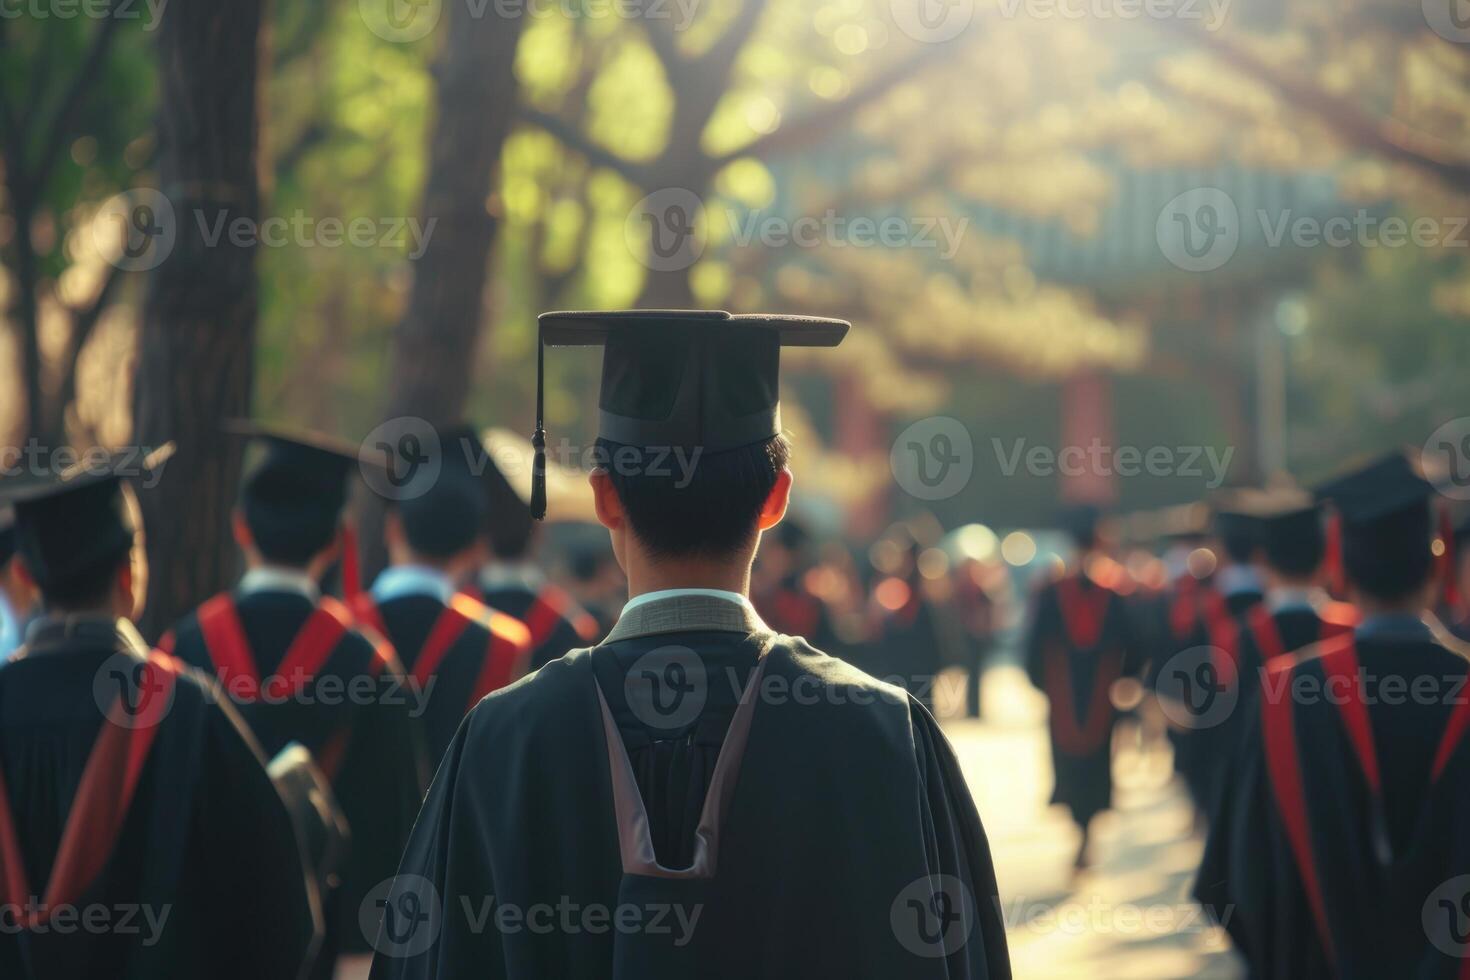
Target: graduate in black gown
454, 647
1296, 611
301, 670
1080, 640
698, 796
1200, 678
511, 582
140, 837
1346, 849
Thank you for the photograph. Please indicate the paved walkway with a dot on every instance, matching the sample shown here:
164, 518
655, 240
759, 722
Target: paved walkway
1129, 916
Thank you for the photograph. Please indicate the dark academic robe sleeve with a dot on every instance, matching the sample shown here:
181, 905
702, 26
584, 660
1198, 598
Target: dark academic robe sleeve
250, 860
1248, 880
959, 849
444, 865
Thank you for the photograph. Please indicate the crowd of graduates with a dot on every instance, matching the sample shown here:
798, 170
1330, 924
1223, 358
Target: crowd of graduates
1302, 655
462, 771
294, 783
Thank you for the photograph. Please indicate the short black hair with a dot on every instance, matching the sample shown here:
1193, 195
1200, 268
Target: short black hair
86, 587
1390, 557
294, 542
700, 505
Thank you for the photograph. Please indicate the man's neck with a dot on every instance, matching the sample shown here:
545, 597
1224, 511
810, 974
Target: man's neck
659, 576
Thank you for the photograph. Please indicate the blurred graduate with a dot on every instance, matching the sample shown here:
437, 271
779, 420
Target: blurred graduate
1346, 849
140, 835
698, 796
1080, 641
301, 670
456, 649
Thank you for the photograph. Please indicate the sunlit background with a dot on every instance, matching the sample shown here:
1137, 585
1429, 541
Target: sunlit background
1231, 232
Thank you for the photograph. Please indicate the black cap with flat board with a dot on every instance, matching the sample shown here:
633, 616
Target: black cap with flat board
67, 523
702, 380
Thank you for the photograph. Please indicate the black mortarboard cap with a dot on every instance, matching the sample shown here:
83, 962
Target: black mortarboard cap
1381, 490
294, 495
447, 517
1289, 522
1386, 523
68, 524
680, 379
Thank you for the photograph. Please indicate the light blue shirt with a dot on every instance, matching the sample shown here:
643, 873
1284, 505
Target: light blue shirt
406, 580
1394, 626
10, 628
1235, 579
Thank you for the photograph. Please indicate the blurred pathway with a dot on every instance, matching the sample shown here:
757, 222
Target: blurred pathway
1129, 916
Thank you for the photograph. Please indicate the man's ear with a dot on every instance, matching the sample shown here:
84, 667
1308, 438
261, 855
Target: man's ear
776, 501
22, 573
241, 530
610, 513
129, 604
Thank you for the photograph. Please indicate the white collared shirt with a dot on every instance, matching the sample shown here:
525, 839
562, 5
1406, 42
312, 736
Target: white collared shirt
274, 578
405, 580
1296, 598
647, 597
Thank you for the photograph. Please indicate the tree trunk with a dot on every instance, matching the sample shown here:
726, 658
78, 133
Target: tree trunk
196, 345
434, 346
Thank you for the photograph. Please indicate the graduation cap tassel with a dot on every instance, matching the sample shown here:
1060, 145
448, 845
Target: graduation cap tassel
538, 439
351, 568
1332, 558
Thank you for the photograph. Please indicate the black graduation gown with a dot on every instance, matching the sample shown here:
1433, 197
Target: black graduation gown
1306, 848
1079, 641
358, 719
907, 646
1202, 674
204, 877
557, 623
457, 652
847, 835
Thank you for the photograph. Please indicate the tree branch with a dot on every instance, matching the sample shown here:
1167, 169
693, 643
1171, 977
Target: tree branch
1388, 138
573, 138
83, 82
815, 124
83, 324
